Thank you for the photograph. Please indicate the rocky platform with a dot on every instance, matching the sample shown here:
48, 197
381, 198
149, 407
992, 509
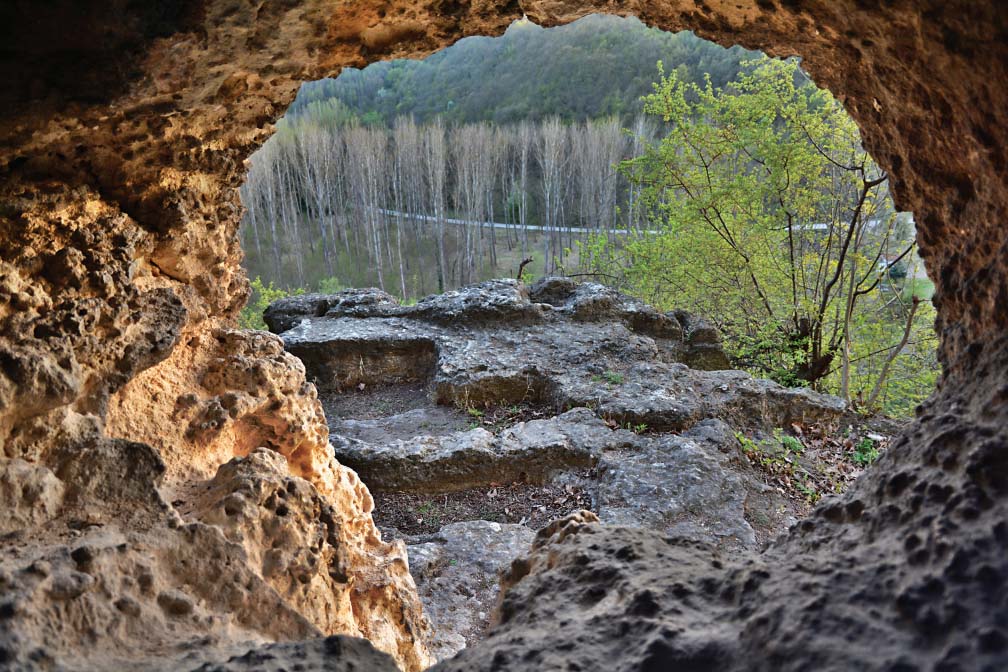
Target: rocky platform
557, 342
563, 388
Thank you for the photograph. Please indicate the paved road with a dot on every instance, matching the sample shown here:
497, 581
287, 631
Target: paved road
502, 225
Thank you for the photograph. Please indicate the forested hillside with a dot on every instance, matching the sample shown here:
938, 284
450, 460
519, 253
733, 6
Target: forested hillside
598, 66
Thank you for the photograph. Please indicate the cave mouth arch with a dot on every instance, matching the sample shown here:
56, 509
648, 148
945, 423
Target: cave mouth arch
916, 81
421, 176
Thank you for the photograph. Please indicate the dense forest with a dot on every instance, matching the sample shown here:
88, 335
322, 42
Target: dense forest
597, 67
427, 207
733, 187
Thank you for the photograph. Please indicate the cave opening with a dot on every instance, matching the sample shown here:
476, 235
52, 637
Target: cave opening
169, 491
390, 185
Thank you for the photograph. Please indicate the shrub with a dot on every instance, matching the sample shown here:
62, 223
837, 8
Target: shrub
261, 297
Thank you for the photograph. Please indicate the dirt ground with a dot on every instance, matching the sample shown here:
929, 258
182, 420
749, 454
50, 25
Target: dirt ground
518, 503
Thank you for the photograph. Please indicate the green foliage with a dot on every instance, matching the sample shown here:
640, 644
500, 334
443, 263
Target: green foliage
595, 67
428, 512
791, 443
776, 457
749, 446
922, 288
331, 285
913, 374
610, 377
768, 217
804, 485
262, 295
898, 271
476, 417
865, 452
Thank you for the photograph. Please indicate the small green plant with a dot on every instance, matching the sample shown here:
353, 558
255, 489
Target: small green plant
639, 428
865, 452
801, 482
427, 512
779, 464
613, 378
749, 446
791, 443
475, 417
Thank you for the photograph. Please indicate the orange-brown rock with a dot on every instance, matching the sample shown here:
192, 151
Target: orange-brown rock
123, 135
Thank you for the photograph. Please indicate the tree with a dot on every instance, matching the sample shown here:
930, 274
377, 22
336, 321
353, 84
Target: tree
772, 220
552, 157
435, 162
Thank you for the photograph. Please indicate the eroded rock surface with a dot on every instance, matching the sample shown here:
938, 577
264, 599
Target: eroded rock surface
529, 451
458, 574
492, 344
296, 540
122, 139
686, 477
142, 554
338, 653
675, 486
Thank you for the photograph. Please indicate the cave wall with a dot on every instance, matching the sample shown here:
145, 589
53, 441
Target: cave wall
123, 138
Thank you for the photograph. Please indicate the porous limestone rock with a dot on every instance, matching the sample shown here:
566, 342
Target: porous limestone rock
123, 132
219, 394
260, 556
117, 579
338, 653
240, 390
296, 540
458, 573
30, 495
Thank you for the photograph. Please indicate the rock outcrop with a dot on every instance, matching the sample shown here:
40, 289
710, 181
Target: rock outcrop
492, 343
338, 653
687, 478
162, 520
673, 485
529, 451
122, 139
575, 348
458, 573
